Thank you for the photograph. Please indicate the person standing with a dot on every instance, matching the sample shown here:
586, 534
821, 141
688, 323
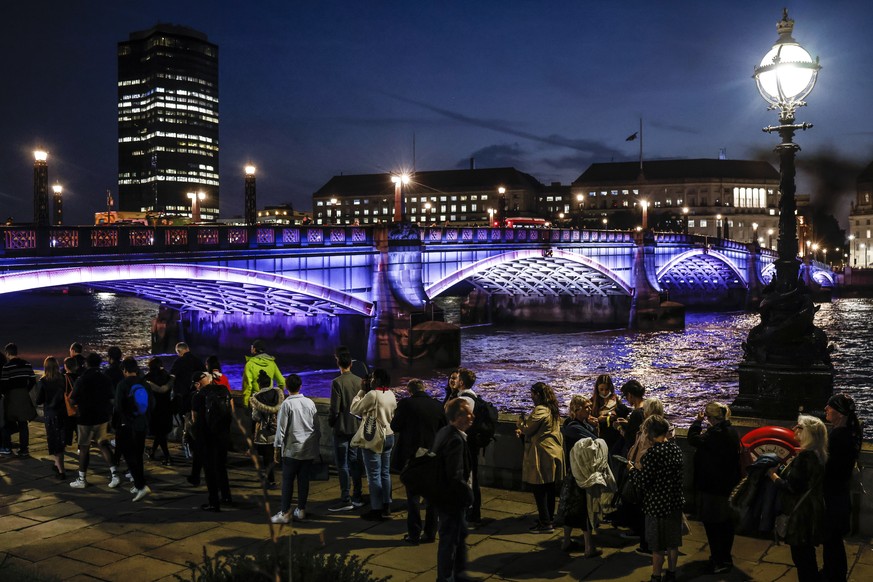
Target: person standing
212, 412
265, 409
660, 478
464, 385
844, 446
450, 446
543, 465
161, 419
71, 374
133, 403
377, 400
716, 473
50, 393
184, 370
344, 425
16, 380
259, 361
195, 443
801, 494
93, 393
296, 444
417, 420
76, 352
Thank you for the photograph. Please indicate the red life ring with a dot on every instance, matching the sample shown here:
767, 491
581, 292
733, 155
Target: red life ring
778, 440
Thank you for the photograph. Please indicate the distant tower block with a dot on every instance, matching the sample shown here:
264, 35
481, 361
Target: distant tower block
58, 206
251, 214
40, 188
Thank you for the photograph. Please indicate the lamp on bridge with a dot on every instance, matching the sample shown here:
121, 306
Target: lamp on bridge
645, 206
718, 226
786, 363
491, 217
501, 207
58, 205
40, 188
251, 210
755, 232
196, 198
605, 223
769, 238
399, 180
849, 257
685, 211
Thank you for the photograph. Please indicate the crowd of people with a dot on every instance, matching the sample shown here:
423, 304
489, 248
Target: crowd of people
613, 458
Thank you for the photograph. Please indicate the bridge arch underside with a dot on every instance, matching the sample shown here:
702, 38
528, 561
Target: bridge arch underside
703, 280
541, 289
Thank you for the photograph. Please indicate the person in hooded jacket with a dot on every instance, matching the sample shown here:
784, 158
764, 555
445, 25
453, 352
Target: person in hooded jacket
716, 473
16, 380
265, 407
258, 361
50, 393
161, 420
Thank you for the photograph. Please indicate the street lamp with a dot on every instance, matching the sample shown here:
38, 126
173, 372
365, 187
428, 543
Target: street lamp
769, 238
815, 251
57, 189
786, 365
490, 217
251, 212
755, 231
427, 207
501, 208
851, 240
40, 188
685, 211
645, 205
196, 198
718, 226
605, 222
399, 180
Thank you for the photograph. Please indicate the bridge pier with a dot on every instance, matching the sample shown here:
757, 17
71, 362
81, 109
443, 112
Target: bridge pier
406, 331
755, 291
648, 311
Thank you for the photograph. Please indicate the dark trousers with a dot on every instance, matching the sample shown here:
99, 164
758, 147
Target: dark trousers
805, 562
475, 511
266, 453
544, 495
70, 424
17, 426
160, 440
839, 512
196, 461
637, 520
720, 535
295, 469
131, 444
413, 517
452, 550
215, 468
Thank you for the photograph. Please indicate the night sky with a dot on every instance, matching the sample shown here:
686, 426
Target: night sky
310, 89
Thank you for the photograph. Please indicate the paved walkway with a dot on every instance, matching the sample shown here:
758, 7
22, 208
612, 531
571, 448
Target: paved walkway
100, 534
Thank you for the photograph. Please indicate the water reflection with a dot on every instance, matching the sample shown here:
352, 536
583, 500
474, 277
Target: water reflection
685, 369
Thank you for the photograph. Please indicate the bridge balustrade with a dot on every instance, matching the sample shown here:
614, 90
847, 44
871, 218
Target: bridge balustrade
479, 235
67, 240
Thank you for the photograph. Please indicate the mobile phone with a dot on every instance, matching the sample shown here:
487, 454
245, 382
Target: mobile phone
620, 459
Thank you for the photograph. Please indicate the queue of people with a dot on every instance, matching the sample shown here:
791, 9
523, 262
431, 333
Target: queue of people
607, 461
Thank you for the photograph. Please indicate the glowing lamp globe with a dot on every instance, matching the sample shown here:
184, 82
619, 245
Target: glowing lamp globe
787, 73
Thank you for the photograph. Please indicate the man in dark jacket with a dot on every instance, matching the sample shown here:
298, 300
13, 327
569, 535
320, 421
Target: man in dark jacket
16, 380
342, 390
213, 441
417, 420
183, 370
93, 394
451, 446
133, 424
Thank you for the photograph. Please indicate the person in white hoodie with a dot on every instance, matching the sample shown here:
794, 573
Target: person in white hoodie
296, 443
377, 400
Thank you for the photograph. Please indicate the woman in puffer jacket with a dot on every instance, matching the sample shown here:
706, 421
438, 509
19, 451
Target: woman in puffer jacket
265, 405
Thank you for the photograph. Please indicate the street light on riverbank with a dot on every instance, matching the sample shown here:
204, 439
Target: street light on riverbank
786, 363
58, 206
40, 188
399, 180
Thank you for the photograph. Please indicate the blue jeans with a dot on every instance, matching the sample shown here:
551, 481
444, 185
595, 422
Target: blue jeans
291, 469
347, 465
379, 474
452, 550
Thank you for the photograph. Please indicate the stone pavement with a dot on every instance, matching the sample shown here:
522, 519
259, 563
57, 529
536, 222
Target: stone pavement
99, 534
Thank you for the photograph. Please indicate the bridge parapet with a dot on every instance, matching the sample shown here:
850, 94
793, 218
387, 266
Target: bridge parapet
485, 235
66, 240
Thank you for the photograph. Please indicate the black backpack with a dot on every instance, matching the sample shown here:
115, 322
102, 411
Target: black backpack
218, 412
484, 422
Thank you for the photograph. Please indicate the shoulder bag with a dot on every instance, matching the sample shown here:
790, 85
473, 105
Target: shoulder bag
370, 435
72, 409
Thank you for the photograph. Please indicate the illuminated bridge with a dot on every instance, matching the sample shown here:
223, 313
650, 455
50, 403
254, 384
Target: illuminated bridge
310, 288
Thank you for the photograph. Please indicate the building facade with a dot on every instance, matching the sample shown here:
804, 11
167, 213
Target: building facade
736, 199
861, 221
470, 197
168, 123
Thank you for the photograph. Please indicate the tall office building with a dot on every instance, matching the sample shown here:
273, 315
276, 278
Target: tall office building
168, 122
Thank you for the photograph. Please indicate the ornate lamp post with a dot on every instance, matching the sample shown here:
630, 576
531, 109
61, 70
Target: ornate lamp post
58, 208
786, 363
399, 180
196, 198
251, 205
685, 211
40, 188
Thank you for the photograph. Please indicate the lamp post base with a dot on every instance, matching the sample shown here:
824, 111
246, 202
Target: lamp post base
782, 391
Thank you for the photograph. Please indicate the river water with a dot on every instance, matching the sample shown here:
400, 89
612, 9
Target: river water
683, 368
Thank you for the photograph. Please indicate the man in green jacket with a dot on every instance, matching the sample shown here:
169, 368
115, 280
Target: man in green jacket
259, 360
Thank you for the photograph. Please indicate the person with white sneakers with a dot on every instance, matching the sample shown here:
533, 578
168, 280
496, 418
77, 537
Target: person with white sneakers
134, 403
296, 444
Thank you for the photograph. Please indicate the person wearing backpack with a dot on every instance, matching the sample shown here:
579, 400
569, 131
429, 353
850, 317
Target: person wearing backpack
133, 404
265, 406
212, 413
478, 436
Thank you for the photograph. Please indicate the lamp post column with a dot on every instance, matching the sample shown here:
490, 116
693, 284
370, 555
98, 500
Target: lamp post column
251, 209
58, 206
40, 188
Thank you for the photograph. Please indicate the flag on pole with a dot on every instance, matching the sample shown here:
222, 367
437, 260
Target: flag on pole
632, 137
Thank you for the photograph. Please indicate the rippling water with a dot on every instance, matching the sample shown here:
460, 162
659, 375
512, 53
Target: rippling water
685, 369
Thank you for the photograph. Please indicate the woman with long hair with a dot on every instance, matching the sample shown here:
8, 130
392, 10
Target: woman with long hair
607, 409
161, 419
844, 446
543, 465
716, 473
451, 387
801, 494
50, 393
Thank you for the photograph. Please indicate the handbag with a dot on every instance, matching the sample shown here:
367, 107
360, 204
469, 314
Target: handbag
370, 435
631, 492
72, 409
780, 526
